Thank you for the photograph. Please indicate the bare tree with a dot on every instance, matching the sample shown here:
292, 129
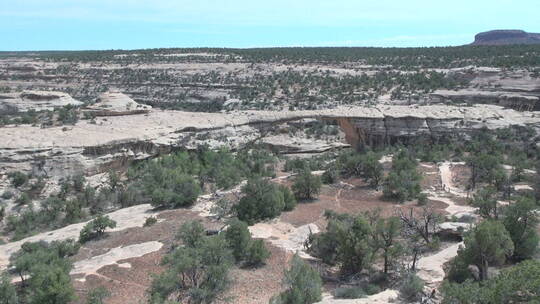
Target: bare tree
417, 230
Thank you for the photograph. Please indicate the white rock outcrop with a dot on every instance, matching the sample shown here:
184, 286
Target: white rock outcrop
35, 100
116, 104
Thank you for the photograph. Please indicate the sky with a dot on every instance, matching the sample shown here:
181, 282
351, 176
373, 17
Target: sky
135, 24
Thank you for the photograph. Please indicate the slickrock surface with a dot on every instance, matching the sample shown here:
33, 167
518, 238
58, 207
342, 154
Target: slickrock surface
125, 218
93, 264
116, 103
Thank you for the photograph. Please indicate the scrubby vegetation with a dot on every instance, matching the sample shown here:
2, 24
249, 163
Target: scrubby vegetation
518, 284
403, 181
303, 284
261, 200
171, 181
306, 186
44, 272
198, 270
245, 250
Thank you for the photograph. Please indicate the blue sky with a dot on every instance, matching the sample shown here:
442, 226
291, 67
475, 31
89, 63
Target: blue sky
131, 24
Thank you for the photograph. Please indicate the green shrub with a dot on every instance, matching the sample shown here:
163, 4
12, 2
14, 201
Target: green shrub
288, 198
191, 233
44, 270
261, 200
96, 228
422, 199
411, 287
150, 221
365, 165
17, 178
517, 284
7, 195
296, 164
177, 190
239, 238
371, 289
330, 176
349, 293
200, 272
8, 292
303, 284
306, 186
78, 182
403, 181
256, 254
521, 220
97, 295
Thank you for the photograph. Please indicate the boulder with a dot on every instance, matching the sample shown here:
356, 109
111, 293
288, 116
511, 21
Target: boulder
452, 230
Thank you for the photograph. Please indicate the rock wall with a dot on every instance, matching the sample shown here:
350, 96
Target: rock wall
529, 101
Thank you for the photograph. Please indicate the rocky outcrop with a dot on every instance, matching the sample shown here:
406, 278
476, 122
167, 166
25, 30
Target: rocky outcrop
116, 104
506, 37
517, 101
11, 103
92, 147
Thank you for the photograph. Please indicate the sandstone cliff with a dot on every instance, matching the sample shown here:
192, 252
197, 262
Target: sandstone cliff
91, 148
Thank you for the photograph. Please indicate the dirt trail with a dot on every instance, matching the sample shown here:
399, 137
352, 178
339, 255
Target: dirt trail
125, 218
430, 267
445, 170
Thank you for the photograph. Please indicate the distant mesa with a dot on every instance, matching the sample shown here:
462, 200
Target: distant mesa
506, 37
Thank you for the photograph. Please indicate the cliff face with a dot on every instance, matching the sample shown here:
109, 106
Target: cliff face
505, 37
115, 141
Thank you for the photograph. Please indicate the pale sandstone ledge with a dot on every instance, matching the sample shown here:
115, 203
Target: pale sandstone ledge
159, 124
113, 141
